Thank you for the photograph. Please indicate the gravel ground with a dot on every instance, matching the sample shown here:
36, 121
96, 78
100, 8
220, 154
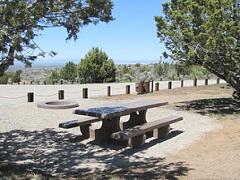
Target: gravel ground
29, 136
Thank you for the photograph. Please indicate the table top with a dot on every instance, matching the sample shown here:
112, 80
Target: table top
121, 109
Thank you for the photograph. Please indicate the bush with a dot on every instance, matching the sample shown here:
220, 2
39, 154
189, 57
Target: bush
69, 71
96, 67
54, 76
4, 79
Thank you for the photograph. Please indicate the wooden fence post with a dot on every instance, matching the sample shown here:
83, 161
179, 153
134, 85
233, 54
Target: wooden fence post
170, 85
109, 91
182, 83
195, 82
206, 81
30, 97
85, 93
157, 86
152, 83
61, 94
127, 89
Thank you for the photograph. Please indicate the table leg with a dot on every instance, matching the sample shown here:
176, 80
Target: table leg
109, 126
136, 118
85, 130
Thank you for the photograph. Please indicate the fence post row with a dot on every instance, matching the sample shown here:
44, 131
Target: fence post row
85, 93
61, 94
30, 95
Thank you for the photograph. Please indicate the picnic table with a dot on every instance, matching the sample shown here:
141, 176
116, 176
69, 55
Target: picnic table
110, 116
133, 132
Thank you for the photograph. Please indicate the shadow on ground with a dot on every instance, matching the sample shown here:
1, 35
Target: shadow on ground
49, 153
219, 106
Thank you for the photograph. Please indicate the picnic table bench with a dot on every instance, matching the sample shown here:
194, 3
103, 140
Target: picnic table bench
133, 132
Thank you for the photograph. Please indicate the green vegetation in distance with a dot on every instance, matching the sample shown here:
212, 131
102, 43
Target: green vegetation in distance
69, 72
127, 73
205, 33
96, 67
22, 21
11, 77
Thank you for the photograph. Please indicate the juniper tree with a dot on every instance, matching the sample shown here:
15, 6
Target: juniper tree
96, 67
21, 21
205, 33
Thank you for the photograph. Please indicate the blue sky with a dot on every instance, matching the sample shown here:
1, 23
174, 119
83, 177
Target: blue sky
130, 38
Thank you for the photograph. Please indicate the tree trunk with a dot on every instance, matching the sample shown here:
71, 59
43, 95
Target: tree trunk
8, 61
236, 86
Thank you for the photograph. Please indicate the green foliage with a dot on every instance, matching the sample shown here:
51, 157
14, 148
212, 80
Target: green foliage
183, 69
144, 68
204, 33
96, 67
54, 76
137, 65
198, 72
125, 69
161, 69
16, 76
69, 71
22, 21
4, 79
158, 68
128, 77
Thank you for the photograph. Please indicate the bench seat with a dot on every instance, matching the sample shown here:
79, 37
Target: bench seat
135, 135
79, 122
84, 124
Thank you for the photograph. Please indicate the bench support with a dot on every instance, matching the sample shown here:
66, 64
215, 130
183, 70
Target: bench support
85, 130
162, 132
137, 141
136, 136
109, 126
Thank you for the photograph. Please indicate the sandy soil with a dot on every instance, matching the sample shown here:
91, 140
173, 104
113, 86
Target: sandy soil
205, 145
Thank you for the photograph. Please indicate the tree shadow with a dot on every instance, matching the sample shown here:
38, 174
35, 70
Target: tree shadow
115, 145
218, 106
50, 153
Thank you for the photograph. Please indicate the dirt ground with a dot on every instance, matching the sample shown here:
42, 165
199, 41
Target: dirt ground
216, 155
